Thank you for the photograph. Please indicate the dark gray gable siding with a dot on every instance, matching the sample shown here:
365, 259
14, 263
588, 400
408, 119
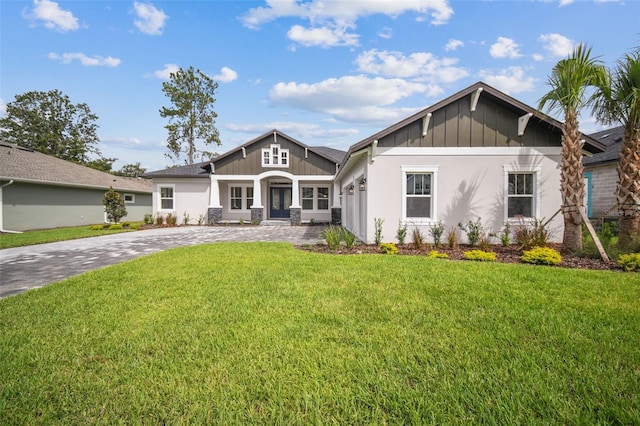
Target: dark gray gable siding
238, 164
490, 125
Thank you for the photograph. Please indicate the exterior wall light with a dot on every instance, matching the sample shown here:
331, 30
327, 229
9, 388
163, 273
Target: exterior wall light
351, 189
363, 184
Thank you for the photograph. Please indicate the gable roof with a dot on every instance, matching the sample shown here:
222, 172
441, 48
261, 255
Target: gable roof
190, 170
612, 139
24, 165
591, 145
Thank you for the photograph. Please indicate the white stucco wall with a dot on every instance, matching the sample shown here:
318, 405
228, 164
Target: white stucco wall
470, 183
191, 196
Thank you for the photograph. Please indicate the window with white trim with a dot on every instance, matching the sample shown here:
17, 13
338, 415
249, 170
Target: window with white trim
240, 197
521, 192
129, 198
418, 193
166, 198
314, 197
274, 156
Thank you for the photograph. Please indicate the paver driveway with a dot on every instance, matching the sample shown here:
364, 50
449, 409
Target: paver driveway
30, 267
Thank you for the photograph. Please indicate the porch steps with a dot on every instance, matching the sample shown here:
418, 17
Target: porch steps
275, 223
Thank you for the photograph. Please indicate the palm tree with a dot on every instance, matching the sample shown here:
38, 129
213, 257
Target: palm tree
569, 81
619, 101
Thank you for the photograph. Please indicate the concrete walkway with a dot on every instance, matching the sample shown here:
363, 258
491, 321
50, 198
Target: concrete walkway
24, 268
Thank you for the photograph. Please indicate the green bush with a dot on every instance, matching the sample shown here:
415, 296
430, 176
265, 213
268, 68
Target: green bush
542, 256
473, 231
377, 221
134, 226
96, 227
126, 224
630, 262
534, 234
435, 254
480, 256
115, 227
401, 232
333, 235
388, 248
349, 238
436, 230
148, 219
106, 225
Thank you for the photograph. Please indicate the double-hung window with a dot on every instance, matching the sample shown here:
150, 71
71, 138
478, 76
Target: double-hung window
240, 197
418, 193
307, 198
521, 192
166, 198
315, 198
274, 156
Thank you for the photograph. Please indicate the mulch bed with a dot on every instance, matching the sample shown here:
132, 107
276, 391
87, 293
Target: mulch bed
509, 254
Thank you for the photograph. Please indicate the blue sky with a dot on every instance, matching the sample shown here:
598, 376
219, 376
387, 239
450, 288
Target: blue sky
325, 72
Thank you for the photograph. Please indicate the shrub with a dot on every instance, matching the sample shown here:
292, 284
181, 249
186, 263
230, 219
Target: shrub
542, 256
532, 235
484, 243
114, 205
480, 256
115, 226
126, 224
388, 248
333, 235
134, 226
159, 219
435, 254
452, 238
630, 262
401, 232
473, 231
200, 219
106, 225
349, 238
378, 229
418, 240
436, 231
171, 220
148, 219
505, 235
96, 227
186, 218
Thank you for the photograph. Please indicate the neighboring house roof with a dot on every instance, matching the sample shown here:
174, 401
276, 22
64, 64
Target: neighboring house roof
203, 169
24, 165
191, 170
591, 145
612, 139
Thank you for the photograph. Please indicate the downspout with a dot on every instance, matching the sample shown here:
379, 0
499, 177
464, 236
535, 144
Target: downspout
1, 211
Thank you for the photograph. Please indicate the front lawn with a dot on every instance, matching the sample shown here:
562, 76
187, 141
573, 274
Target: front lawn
263, 333
42, 236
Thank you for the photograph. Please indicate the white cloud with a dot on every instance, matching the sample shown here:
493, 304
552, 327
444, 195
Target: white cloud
537, 57
149, 19
53, 16
164, 73
385, 33
330, 21
95, 61
453, 44
557, 45
350, 98
504, 48
419, 65
565, 2
322, 36
227, 75
509, 80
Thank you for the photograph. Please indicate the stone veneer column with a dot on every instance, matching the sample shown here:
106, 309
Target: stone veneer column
256, 215
214, 215
295, 215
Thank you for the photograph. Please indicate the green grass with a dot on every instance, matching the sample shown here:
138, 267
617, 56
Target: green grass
42, 236
262, 333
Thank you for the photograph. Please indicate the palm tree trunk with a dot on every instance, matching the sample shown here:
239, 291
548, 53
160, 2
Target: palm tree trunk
572, 183
628, 191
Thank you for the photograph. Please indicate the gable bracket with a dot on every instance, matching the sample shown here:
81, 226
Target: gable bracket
522, 123
306, 153
374, 148
425, 124
244, 152
275, 137
474, 98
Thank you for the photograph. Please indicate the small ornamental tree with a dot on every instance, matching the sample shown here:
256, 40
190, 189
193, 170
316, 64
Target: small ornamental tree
114, 205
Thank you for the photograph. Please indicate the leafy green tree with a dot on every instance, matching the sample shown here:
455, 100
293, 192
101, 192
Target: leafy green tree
114, 205
131, 170
48, 122
569, 81
619, 102
102, 164
192, 116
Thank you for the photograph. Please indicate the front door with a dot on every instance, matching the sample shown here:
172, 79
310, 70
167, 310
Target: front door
280, 203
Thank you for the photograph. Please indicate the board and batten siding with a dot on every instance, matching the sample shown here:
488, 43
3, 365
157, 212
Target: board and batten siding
250, 162
454, 125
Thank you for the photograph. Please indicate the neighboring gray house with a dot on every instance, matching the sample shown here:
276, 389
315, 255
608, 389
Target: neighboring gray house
270, 177
601, 175
476, 154
40, 191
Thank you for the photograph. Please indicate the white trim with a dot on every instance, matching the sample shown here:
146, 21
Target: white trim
243, 196
133, 198
315, 197
519, 168
173, 189
282, 154
405, 169
276, 173
470, 151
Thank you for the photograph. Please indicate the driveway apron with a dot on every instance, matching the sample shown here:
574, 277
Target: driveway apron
25, 268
